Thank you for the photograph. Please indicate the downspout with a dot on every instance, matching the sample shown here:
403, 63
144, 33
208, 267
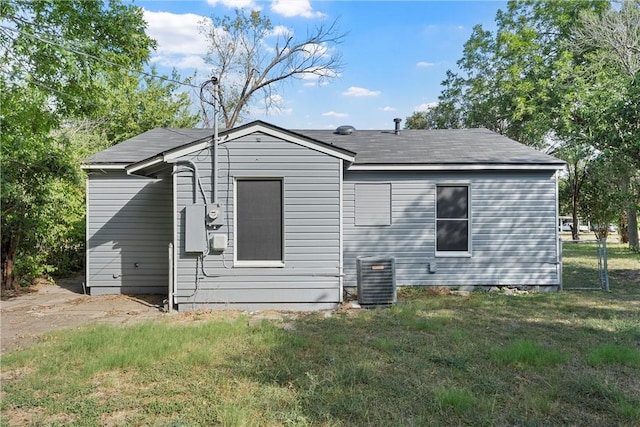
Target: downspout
170, 297
558, 241
87, 263
173, 283
341, 234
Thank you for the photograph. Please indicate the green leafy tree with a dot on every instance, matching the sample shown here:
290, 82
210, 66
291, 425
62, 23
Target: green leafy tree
611, 42
552, 75
439, 116
248, 58
70, 85
602, 195
514, 80
136, 104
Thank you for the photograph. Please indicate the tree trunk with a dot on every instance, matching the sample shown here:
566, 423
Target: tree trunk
575, 198
9, 279
632, 224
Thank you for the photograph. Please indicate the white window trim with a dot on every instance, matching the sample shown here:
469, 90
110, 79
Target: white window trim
454, 254
256, 263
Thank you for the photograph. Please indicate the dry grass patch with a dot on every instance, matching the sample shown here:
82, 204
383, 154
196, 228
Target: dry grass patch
433, 359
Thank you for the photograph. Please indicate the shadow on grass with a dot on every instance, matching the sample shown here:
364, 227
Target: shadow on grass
432, 364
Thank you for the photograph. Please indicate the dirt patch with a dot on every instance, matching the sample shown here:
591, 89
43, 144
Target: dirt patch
46, 307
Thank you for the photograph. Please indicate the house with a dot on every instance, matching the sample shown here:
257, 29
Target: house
281, 223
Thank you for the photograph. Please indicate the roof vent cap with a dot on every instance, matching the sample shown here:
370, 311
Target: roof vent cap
345, 130
397, 121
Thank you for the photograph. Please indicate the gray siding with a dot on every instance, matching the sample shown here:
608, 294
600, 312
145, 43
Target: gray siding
311, 192
513, 231
129, 223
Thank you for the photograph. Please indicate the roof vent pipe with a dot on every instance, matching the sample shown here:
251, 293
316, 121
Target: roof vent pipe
397, 122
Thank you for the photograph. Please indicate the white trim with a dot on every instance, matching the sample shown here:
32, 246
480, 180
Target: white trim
239, 133
341, 231
174, 185
86, 236
180, 152
257, 263
235, 220
141, 165
557, 235
103, 166
452, 167
453, 254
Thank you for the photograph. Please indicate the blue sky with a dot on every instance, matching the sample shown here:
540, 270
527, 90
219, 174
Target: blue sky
395, 55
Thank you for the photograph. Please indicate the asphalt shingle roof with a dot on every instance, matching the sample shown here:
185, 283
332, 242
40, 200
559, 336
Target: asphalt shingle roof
442, 146
148, 144
372, 147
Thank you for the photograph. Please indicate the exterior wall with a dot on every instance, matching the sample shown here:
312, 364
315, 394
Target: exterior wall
128, 231
310, 277
513, 229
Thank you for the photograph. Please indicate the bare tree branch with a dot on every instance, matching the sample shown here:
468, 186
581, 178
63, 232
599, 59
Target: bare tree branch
617, 32
245, 64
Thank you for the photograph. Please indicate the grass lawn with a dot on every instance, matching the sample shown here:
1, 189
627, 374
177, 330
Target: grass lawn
568, 358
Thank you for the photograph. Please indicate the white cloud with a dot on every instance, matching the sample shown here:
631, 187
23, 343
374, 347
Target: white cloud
235, 4
425, 107
181, 62
314, 82
176, 33
272, 105
180, 44
291, 8
388, 108
360, 91
335, 114
424, 64
315, 49
319, 77
281, 30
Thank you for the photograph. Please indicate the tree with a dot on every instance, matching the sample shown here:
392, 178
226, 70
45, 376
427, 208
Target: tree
440, 116
603, 194
612, 42
514, 80
578, 159
71, 74
139, 103
245, 64
530, 81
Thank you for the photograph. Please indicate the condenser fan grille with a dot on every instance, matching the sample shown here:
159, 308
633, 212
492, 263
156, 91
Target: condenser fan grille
376, 280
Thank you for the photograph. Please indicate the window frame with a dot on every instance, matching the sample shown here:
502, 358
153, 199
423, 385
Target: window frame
453, 254
257, 263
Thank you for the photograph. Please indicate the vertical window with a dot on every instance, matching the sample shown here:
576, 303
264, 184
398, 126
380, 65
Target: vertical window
452, 219
373, 204
259, 219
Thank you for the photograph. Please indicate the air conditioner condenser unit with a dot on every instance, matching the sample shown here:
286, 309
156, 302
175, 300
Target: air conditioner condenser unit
376, 281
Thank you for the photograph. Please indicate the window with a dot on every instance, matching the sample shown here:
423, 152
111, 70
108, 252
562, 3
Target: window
373, 204
259, 222
452, 219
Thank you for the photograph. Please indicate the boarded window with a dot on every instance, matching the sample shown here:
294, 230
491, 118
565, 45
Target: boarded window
259, 216
452, 219
373, 204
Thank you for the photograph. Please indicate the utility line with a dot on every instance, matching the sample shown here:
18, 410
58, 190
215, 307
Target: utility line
106, 61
